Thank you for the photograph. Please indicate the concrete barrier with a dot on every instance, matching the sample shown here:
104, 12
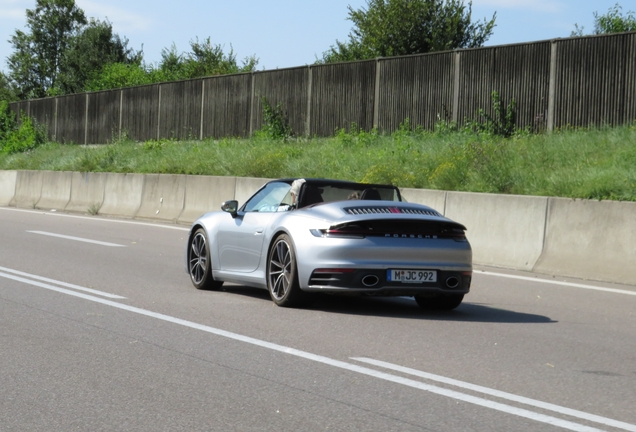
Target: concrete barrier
504, 230
590, 239
204, 194
163, 197
56, 190
28, 189
7, 186
87, 192
122, 194
432, 198
246, 186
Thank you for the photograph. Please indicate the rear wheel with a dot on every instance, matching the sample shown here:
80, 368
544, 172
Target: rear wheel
442, 302
282, 274
199, 265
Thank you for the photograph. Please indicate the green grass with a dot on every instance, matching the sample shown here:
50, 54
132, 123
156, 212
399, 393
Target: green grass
594, 163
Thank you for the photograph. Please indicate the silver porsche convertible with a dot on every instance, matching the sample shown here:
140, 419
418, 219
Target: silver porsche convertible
298, 237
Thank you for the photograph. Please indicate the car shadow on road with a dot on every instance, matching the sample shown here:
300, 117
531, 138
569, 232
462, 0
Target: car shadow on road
407, 308
404, 308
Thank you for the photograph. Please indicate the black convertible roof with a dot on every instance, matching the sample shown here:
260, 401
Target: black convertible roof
313, 188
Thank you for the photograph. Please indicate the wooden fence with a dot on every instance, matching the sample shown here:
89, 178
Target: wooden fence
558, 83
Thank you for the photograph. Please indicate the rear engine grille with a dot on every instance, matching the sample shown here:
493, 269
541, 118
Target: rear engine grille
389, 210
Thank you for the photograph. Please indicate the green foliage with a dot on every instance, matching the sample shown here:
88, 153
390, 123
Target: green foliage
92, 48
275, 123
61, 53
586, 163
612, 22
400, 27
20, 138
445, 124
483, 165
36, 63
356, 136
7, 90
204, 59
157, 144
7, 120
503, 123
117, 75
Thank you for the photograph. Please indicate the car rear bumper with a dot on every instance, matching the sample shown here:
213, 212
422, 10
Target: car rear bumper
374, 282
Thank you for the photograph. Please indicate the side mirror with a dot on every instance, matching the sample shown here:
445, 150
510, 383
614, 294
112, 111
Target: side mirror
230, 207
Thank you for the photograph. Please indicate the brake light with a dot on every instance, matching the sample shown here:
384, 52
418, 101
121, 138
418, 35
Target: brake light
342, 233
458, 235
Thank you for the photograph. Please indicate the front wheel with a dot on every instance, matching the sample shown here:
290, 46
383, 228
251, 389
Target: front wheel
442, 302
199, 265
282, 274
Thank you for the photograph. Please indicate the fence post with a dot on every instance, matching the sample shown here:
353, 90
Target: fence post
252, 107
57, 98
308, 119
458, 63
552, 86
159, 115
121, 110
202, 100
86, 121
376, 95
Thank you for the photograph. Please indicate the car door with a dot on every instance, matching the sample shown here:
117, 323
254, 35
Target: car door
240, 238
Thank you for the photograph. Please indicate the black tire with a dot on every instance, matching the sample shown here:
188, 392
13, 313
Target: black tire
199, 266
442, 302
282, 274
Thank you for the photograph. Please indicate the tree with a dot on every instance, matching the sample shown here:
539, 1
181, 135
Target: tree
204, 59
117, 75
612, 22
207, 59
399, 27
171, 64
36, 63
89, 51
7, 91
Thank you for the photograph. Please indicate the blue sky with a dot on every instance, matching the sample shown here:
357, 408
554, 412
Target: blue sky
286, 33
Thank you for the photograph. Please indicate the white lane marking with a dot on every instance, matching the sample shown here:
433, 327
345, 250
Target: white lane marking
95, 218
570, 284
53, 281
336, 363
500, 394
79, 239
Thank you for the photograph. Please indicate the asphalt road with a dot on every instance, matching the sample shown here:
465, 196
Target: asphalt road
110, 335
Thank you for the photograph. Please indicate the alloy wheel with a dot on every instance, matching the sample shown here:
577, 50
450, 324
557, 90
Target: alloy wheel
280, 269
198, 258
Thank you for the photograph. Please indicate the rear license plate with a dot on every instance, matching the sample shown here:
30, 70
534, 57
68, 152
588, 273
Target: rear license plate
411, 276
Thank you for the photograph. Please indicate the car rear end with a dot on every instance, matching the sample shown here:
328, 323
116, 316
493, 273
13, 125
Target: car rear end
387, 250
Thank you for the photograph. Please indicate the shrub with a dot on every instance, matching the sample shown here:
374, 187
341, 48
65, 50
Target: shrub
275, 123
503, 123
20, 138
7, 120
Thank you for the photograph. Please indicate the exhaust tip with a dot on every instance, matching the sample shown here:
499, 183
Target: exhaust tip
452, 282
370, 280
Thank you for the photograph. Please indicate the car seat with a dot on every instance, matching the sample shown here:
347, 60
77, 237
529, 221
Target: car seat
370, 194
